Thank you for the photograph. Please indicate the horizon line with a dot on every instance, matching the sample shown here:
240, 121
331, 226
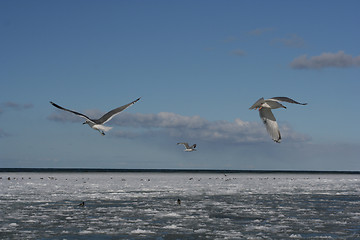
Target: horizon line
174, 170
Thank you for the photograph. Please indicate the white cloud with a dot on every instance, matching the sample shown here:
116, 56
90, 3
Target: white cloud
326, 60
195, 127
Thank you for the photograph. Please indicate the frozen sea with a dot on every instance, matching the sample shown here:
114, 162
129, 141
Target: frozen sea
213, 206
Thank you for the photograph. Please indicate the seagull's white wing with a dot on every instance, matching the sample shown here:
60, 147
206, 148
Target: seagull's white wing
258, 103
271, 125
108, 116
286, 99
68, 110
185, 144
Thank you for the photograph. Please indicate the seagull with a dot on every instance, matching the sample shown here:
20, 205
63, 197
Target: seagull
187, 147
97, 124
265, 106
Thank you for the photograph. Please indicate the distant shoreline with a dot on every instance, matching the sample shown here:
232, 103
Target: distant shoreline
94, 170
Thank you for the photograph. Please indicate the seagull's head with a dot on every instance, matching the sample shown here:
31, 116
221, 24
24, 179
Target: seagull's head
90, 123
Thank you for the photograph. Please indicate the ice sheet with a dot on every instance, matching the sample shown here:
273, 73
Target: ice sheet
213, 206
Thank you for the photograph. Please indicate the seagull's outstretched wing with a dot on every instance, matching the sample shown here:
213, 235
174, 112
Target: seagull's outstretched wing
185, 144
270, 122
108, 116
257, 103
68, 110
286, 99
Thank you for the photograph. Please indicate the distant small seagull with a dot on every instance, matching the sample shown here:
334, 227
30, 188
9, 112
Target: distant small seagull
265, 106
179, 201
82, 204
187, 147
97, 124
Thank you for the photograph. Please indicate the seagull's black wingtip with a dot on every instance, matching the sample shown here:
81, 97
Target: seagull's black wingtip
54, 104
136, 100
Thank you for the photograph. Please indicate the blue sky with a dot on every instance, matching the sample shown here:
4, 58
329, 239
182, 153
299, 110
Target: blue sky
198, 66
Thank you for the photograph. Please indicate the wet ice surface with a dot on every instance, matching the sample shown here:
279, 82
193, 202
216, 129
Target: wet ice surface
213, 206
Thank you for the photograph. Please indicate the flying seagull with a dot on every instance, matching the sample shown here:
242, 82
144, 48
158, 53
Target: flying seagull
265, 106
97, 124
187, 147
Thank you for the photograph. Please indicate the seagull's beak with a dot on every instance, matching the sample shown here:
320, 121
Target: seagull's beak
84, 122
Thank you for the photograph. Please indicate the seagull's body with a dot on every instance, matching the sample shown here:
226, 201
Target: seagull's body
97, 124
265, 106
187, 147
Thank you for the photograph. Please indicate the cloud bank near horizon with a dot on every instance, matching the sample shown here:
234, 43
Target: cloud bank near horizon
175, 126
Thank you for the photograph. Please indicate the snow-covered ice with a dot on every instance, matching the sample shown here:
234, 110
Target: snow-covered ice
213, 206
